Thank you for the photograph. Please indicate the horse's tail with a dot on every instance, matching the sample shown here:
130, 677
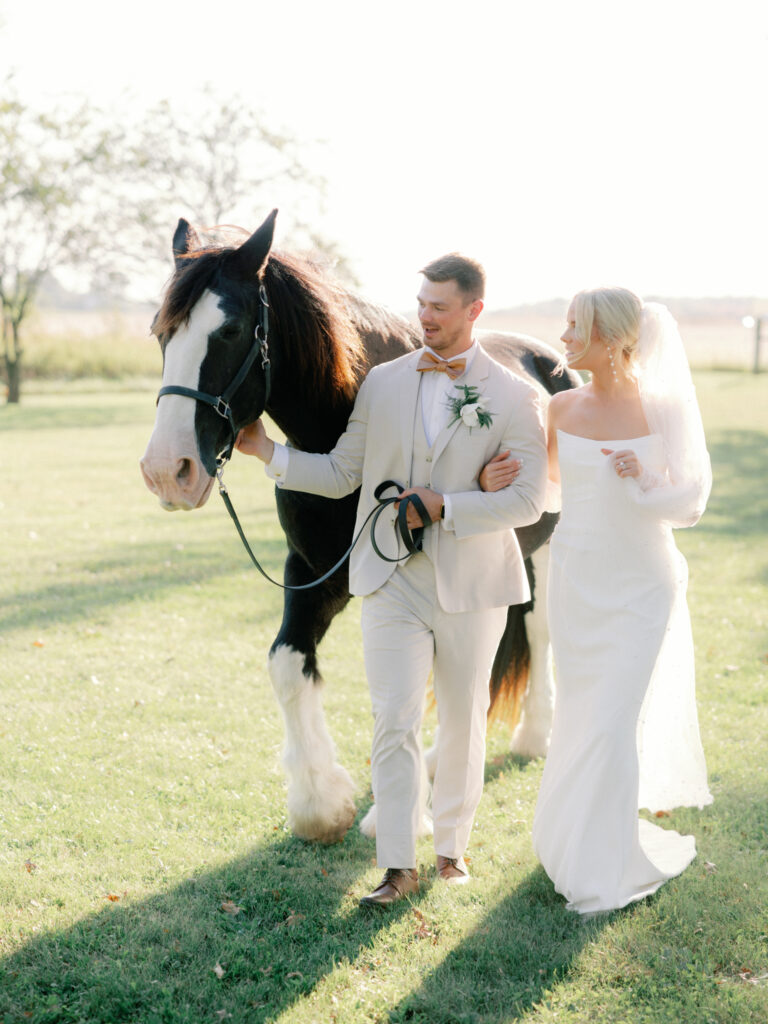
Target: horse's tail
509, 675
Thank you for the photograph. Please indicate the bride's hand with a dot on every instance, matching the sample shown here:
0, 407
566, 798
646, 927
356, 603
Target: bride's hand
625, 462
500, 472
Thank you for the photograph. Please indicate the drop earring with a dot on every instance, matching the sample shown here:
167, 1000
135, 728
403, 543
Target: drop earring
613, 368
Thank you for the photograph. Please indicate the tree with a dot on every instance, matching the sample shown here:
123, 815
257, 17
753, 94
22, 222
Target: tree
219, 161
53, 167
81, 190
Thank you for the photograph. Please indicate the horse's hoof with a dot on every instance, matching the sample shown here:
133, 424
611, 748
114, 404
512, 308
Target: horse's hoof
323, 817
368, 825
430, 760
529, 743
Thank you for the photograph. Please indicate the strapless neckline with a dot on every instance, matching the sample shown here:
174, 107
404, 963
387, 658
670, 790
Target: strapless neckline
608, 440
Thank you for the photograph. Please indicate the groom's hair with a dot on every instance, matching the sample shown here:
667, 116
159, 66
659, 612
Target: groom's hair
467, 273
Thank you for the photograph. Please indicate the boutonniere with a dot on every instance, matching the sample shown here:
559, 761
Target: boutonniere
470, 407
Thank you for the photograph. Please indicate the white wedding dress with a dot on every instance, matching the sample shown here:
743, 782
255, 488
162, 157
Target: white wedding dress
625, 733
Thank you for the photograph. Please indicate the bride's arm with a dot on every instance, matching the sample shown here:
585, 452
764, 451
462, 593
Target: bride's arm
501, 471
553, 418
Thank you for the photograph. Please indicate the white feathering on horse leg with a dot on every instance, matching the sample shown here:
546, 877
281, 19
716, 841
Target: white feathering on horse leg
430, 757
321, 802
531, 735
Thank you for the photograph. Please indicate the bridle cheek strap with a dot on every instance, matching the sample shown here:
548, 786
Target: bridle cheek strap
221, 403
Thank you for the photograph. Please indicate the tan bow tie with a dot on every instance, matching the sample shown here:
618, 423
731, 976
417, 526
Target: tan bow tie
453, 367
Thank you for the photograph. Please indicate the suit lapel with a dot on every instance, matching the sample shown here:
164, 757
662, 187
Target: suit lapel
476, 375
408, 388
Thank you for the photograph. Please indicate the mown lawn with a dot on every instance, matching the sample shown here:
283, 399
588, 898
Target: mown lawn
146, 870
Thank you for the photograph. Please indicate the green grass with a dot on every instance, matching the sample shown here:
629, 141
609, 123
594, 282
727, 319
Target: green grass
141, 788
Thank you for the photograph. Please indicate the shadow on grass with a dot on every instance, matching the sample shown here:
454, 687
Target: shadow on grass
528, 944
739, 503
157, 959
180, 957
506, 764
143, 572
523, 947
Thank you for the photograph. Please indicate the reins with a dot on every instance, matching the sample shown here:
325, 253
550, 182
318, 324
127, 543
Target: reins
221, 404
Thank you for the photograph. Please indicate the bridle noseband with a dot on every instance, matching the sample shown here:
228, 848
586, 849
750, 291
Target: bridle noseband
221, 403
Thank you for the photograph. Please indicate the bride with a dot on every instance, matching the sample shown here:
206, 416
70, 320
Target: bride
629, 452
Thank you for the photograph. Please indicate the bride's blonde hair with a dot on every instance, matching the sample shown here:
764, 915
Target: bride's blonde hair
615, 314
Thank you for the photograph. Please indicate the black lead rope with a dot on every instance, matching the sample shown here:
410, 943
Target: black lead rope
412, 540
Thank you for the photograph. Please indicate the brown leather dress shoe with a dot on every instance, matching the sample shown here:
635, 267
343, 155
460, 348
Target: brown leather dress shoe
452, 870
396, 883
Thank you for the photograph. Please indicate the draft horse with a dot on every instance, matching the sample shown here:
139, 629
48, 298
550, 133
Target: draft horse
244, 330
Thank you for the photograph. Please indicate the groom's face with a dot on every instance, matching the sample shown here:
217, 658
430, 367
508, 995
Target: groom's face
446, 316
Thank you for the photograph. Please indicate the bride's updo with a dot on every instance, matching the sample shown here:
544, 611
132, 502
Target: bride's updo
615, 315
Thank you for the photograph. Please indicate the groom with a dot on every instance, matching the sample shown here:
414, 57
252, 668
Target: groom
430, 421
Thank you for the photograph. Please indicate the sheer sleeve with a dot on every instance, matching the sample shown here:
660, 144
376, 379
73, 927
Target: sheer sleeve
672, 411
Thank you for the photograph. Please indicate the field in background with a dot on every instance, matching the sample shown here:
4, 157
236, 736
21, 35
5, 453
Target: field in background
103, 344
714, 341
117, 345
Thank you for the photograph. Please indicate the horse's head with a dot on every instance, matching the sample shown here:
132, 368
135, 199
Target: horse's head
210, 327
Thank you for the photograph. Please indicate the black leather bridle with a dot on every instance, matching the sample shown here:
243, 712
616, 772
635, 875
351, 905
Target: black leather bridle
221, 404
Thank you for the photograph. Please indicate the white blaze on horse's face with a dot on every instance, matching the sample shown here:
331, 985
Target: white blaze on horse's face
171, 464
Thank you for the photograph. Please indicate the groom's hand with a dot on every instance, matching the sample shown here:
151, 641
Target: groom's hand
433, 503
253, 440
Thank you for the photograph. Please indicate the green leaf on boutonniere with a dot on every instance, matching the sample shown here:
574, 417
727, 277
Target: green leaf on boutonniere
470, 407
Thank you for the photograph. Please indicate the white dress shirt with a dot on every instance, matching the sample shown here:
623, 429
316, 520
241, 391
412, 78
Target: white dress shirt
435, 391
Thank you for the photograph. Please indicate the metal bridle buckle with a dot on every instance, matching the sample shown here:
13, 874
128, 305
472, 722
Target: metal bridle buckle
262, 328
222, 408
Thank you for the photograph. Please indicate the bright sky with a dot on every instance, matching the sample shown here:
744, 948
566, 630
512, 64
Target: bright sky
564, 143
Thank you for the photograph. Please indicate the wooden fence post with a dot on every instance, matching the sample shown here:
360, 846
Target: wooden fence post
758, 332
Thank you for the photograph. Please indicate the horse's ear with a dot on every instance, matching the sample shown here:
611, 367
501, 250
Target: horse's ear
251, 256
185, 239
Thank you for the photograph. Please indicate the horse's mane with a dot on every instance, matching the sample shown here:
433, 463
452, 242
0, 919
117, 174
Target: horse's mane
315, 319
313, 315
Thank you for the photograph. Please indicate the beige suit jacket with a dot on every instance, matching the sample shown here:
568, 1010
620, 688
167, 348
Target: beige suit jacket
477, 564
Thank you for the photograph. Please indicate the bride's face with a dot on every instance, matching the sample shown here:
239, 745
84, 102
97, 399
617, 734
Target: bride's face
575, 346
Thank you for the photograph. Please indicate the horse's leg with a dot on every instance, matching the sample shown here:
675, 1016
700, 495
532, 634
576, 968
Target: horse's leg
321, 802
531, 735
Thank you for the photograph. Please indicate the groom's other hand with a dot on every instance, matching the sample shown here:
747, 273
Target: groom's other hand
433, 503
500, 472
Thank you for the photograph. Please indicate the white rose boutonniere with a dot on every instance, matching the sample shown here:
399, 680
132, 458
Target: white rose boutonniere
470, 407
